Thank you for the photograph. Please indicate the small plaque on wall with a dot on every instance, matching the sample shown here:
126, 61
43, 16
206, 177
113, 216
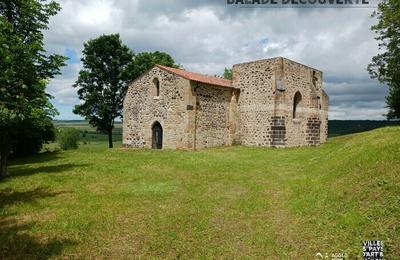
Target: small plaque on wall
280, 85
189, 107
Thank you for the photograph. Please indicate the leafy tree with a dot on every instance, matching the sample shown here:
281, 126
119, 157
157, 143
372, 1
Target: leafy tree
108, 67
25, 69
31, 134
144, 61
103, 81
227, 74
386, 65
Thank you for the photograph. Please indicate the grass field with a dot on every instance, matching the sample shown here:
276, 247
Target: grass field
235, 202
88, 133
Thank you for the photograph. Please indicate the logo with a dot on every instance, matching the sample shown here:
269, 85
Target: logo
303, 3
321, 256
372, 250
333, 256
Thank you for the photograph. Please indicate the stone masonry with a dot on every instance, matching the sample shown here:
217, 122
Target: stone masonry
274, 102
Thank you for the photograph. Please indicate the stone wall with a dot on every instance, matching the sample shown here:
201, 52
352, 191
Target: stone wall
214, 120
313, 131
193, 115
256, 101
142, 109
308, 82
278, 131
267, 101
324, 117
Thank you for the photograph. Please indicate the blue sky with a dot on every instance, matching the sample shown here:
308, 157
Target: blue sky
73, 57
65, 108
207, 36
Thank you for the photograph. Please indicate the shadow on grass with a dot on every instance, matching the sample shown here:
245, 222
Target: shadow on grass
37, 158
16, 242
9, 197
20, 171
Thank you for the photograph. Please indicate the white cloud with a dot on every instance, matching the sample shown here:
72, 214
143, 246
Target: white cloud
95, 13
61, 87
206, 36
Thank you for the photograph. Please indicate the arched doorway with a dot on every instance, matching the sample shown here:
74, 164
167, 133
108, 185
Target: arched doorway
157, 136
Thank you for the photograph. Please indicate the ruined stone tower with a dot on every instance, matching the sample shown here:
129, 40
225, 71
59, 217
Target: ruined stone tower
281, 103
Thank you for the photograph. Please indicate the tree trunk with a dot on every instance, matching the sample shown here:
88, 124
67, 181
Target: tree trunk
4, 151
110, 141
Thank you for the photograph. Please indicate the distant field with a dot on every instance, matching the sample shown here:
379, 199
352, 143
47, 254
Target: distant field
88, 133
225, 203
336, 128
344, 127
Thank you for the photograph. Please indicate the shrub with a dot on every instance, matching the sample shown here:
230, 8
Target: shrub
68, 138
85, 133
31, 134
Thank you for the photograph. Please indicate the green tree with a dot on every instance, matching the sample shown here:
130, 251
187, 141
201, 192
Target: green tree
31, 134
386, 65
25, 69
146, 60
108, 68
103, 81
227, 74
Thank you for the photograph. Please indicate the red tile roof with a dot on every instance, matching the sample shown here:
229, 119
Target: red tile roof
198, 77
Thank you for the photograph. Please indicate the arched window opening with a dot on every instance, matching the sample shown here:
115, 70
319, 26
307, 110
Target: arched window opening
157, 136
156, 83
296, 104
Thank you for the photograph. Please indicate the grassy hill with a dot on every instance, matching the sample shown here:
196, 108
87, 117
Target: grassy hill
220, 203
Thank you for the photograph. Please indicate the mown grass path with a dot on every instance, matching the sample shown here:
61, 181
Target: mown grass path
235, 202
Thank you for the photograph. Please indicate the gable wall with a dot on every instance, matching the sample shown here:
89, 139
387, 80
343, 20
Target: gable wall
142, 109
